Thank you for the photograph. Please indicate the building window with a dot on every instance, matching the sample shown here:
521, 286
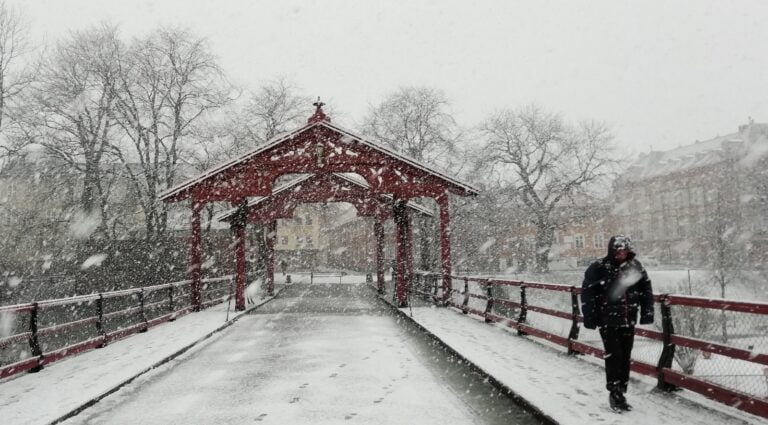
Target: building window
578, 242
598, 240
309, 240
299, 240
284, 240
297, 219
308, 220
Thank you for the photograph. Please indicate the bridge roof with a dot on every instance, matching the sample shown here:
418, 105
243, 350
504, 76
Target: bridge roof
262, 157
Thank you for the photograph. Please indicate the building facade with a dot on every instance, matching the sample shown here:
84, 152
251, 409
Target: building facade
686, 205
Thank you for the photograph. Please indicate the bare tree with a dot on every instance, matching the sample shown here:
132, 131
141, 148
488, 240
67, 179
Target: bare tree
72, 108
693, 323
727, 254
416, 122
274, 108
545, 162
168, 82
15, 75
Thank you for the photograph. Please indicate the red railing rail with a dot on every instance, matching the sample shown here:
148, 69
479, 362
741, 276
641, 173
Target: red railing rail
83, 322
473, 291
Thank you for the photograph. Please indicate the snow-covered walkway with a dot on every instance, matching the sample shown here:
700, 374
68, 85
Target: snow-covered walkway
344, 360
68, 385
568, 389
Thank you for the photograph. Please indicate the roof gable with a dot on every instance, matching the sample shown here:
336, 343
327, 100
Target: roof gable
317, 147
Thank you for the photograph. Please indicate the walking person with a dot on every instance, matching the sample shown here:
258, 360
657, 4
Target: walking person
613, 291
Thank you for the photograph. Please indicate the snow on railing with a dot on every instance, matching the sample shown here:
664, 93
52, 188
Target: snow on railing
715, 347
46, 331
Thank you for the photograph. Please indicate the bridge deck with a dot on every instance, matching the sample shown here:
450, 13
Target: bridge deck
568, 389
314, 356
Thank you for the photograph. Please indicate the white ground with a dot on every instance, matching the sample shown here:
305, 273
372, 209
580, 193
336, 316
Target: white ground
342, 363
569, 389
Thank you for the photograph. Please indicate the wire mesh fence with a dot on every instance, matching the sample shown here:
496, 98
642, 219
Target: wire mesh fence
718, 348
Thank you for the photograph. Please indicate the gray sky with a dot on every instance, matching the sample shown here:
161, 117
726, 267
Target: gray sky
661, 73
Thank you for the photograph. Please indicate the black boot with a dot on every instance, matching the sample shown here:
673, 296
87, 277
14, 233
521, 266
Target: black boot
624, 405
619, 402
615, 401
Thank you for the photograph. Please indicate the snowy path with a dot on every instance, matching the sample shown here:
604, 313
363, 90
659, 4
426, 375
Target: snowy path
66, 385
571, 390
320, 354
333, 354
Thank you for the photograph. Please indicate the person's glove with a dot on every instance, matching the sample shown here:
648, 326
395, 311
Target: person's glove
646, 319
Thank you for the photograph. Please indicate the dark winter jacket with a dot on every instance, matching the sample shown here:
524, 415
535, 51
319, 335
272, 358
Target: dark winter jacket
612, 293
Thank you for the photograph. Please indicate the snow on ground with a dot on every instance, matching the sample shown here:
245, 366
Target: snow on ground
329, 361
323, 354
65, 385
569, 389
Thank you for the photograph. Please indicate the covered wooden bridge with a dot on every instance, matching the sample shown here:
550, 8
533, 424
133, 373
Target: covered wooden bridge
338, 166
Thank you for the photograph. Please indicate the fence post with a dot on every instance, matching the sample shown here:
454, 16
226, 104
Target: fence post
141, 309
465, 303
489, 305
575, 311
523, 309
668, 350
100, 322
34, 343
171, 305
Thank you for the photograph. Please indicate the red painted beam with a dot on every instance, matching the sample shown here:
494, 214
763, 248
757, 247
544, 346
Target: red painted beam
445, 244
196, 254
240, 265
719, 304
716, 392
20, 366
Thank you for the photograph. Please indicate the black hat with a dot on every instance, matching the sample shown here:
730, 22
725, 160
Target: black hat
621, 242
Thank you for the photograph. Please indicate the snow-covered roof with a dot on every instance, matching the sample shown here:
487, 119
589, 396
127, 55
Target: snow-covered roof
698, 154
352, 178
289, 135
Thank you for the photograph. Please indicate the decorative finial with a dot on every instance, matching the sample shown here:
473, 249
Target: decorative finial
319, 115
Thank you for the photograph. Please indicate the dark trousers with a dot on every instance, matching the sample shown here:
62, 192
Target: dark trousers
618, 350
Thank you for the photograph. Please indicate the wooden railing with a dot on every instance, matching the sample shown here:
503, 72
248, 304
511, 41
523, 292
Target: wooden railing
690, 330
46, 331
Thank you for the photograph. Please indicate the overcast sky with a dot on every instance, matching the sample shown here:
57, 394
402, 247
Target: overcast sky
662, 74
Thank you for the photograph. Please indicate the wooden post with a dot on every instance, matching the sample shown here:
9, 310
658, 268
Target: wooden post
401, 296
271, 236
378, 231
445, 245
668, 348
409, 250
239, 229
196, 256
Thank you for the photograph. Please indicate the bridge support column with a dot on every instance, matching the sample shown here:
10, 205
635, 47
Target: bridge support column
196, 256
239, 266
445, 245
409, 250
401, 258
378, 231
271, 234
238, 225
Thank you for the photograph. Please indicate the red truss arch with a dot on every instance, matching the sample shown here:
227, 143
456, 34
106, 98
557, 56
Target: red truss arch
324, 149
332, 187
